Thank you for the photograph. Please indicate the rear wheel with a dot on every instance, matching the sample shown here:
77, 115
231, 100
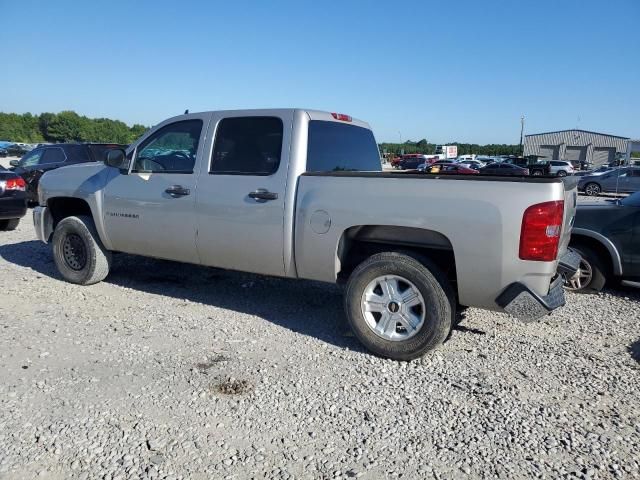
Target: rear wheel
590, 276
78, 252
8, 225
398, 306
562, 173
592, 189
537, 173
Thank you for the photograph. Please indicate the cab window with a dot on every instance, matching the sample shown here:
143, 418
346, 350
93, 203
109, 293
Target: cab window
334, 147
172, 149
247, 146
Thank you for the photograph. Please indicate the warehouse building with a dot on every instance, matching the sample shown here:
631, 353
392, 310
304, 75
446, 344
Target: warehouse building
576, 146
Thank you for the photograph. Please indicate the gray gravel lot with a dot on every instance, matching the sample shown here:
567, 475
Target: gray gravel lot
175, 371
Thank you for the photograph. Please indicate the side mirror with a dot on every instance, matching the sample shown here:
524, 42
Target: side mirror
116, 158
14, 163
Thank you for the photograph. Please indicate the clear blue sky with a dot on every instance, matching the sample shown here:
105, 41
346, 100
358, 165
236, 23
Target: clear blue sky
442, 70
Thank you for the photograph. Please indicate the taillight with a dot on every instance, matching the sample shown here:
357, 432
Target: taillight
540, 232
342, 117
15, 184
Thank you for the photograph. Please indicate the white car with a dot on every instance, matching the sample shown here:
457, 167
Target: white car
561, 168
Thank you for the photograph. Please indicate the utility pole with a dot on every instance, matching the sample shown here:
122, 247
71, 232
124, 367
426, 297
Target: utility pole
521, 133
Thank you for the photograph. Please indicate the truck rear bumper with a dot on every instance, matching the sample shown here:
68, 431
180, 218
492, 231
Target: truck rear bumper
43, 223
521, 302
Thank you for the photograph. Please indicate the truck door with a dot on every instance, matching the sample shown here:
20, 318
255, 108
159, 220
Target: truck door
240, 198
150, 210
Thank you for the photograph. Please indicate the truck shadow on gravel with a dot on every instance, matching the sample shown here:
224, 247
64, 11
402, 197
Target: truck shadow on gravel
309, 308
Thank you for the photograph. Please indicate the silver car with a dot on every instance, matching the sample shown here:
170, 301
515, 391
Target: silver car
619, 180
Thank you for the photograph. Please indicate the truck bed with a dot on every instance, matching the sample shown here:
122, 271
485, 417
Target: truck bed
479, 216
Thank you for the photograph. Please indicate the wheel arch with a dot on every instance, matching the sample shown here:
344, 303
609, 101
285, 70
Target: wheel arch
63, 207
601, 244
362, 241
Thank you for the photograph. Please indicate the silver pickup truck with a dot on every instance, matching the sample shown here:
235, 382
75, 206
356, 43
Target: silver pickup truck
300, 193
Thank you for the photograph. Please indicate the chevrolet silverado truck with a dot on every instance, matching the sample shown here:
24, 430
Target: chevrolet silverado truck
300, 193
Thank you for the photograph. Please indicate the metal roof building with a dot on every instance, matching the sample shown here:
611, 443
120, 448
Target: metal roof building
575, 145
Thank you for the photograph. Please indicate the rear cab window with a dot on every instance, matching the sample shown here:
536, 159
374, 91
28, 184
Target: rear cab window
247, 146
335, 147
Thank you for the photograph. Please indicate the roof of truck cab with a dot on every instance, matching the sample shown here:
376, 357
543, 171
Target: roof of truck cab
312, 114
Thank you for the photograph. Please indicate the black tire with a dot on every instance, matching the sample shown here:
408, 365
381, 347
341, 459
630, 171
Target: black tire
8, 225
562, 173
431, 283
537, 173
78, 252
592, 189
591, 261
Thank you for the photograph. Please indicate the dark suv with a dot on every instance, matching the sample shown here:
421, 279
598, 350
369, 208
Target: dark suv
49, 157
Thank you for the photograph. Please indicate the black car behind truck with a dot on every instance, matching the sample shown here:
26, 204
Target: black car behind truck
534, 167
13, 200
49, 157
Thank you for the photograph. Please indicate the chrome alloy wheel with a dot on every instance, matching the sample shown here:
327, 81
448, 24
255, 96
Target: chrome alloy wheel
581, 278
393, 308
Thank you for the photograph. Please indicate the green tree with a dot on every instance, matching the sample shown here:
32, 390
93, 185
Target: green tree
67, 126
136, 131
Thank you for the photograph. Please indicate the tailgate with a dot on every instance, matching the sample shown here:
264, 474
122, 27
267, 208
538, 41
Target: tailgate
570, 201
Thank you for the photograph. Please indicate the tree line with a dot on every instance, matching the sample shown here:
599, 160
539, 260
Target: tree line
423, 146
66, 126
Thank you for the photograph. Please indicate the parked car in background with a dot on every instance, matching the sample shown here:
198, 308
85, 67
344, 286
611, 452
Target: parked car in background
501, 168
3, 153
561, 168
475, 164
449, 168
13, 200
617, 180
49, 157
16, 150
598, 171
486, 160
535, 168
412, 160
423, 166
607, 236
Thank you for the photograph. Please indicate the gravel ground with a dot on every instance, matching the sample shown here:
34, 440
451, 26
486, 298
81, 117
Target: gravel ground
174, 371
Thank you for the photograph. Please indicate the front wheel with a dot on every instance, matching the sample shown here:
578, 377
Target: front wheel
78, 252
592, 189
399, 307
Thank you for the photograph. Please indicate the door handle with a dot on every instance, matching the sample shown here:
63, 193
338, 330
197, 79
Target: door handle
263, 195
177, 191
